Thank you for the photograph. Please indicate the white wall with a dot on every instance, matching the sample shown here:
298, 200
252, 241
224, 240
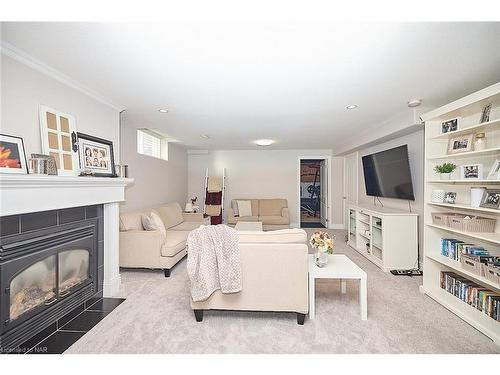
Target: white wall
23, 89
256, 174
157, 181
415, 142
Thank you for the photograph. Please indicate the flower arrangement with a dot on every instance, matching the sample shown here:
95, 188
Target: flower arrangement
322, 241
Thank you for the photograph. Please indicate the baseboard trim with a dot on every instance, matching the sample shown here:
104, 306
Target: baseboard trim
336, 226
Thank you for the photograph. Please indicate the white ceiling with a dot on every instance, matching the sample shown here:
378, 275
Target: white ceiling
240, 82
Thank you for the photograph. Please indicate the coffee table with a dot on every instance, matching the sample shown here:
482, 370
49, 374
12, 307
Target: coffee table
248, 226
339, 267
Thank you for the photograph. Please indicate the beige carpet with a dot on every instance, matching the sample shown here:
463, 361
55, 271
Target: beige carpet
156, 318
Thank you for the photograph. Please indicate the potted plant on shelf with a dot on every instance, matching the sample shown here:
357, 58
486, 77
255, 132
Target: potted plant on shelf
323, 245
445, 170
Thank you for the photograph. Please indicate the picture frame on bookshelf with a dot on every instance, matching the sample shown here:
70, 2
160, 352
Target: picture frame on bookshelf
485, 115
471, 172
494, 173
461, 143
450, 125
491, 199
450, 197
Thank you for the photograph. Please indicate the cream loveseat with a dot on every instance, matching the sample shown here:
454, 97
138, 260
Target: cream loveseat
273, 213
274, 269
152, 249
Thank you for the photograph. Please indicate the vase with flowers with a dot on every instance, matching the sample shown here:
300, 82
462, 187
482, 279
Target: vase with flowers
323, 245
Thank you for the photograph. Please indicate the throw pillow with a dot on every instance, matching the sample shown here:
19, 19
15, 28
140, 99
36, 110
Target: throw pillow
152, 221
245, 208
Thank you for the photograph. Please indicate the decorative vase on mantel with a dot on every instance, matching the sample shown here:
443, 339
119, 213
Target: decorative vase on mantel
321, 256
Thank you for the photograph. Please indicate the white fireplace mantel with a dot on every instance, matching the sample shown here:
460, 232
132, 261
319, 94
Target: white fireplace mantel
21, 194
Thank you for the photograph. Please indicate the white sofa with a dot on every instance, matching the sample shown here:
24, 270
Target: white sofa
274, 275
151, 249
273, 213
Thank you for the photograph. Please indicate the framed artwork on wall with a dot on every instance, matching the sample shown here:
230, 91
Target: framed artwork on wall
12, 155
96, 156
495, 171
58, 132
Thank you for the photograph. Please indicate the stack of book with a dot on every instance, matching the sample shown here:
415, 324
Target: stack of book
475, 295
453, 249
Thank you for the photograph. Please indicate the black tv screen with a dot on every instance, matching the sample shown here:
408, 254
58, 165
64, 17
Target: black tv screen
387, 174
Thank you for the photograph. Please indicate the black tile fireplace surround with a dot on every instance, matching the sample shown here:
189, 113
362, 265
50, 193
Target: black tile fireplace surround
51, 263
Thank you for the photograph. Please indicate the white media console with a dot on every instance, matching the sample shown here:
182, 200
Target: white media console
387, 237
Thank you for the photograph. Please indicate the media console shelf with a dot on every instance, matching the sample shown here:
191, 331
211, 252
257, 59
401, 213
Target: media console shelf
468, 110
388, 238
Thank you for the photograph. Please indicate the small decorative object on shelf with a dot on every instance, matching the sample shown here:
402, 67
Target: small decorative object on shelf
471, 172
449, 125
43, 164
480, 142
437, 196
476, 195
491, 199
495, 171
450, 197
445, 170
323, 244
12, 155
461, 143
194, 200
485, 115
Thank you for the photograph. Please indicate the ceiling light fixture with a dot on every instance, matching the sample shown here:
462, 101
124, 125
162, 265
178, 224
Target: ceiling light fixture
205, 136
414, 103
264, 142
163, 110
352, 106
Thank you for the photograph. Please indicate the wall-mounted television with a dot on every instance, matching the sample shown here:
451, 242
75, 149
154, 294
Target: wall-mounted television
387, 174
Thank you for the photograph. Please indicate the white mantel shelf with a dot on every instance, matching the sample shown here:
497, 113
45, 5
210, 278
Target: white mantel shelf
32, 193
21, 194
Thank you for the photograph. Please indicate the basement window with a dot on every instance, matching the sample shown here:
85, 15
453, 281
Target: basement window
151, 143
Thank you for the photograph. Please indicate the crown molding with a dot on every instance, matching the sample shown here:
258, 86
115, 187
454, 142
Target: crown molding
15, 53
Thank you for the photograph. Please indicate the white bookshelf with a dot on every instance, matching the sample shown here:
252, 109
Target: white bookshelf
436, 144
388, 238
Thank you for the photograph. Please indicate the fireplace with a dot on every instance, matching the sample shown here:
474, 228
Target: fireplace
51, 265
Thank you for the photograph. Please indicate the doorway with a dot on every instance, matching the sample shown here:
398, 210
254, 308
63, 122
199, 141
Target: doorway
313, 193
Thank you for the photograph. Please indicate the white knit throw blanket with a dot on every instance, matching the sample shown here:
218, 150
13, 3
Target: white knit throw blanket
213, 261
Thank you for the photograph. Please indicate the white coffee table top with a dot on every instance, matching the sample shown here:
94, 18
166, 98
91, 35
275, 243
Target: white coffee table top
339, 267
248, 226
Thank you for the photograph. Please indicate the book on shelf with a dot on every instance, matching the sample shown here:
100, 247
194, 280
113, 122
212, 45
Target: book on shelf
453, 249
473, 294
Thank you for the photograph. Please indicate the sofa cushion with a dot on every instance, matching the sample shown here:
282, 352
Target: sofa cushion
271, 207
151, 221
174, 242
170, 214
187, 225
131, 220
273, 219
234, 220
274, 236
244, 208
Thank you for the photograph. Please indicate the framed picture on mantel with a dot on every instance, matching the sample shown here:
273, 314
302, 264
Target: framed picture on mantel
96, 156
58, 131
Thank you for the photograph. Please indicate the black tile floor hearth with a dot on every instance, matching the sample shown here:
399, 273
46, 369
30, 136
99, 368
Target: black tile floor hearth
70, 329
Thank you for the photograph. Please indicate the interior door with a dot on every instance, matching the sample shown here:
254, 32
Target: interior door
323, 195
350, 182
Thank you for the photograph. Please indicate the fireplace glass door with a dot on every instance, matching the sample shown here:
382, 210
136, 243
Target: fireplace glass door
33, 287
74, 268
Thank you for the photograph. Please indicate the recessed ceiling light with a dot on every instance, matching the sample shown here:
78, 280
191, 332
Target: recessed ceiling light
163, 110
205, 136
264, 142
352, 106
